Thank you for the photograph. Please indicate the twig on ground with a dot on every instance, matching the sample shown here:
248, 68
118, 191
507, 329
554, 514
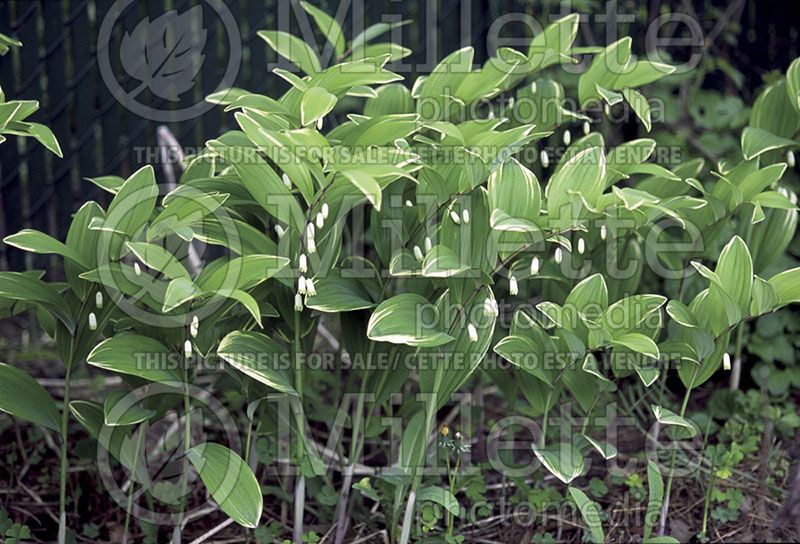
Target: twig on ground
212, 532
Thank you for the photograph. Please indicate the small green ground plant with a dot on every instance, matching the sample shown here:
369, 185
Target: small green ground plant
437, 229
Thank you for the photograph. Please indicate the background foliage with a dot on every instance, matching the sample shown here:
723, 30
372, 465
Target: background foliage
98, 135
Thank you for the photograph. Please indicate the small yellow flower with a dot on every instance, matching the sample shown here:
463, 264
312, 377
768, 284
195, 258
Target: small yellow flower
445, 430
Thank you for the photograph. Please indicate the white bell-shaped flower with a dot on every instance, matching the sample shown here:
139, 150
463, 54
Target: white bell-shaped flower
490, 308
473, 333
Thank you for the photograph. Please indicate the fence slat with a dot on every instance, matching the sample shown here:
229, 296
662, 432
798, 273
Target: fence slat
56, 114
8, 151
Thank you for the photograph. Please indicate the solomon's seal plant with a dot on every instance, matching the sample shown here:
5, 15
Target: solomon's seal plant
437, 228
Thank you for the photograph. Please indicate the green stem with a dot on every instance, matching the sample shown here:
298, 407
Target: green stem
408, 519
452, 477
355, 446
665, 507
187, 443
300, 483
247, 442
585, 425
298, 369
708, 501
62, 495
736, 369
381, 382
133, 485
347, 471
543, 440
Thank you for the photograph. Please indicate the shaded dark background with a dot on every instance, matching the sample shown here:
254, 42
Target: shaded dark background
57, 66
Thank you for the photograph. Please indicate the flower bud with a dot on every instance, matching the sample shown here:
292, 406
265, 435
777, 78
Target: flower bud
790, 158
603, 232
311, 245
194, 327
280, 230
301, 285
287, 181
567, 137
298, 303
606, 110
726, 361
513, 286
311, 289
302, 263
544, 158
536, 265
586, 128
137, 269
310, 230
92, 322
325, 210
465, 216
320, 220
473, 333
455, 217
559, 255
428, 244
418, 253
409, 204
581, 246
187, 349
319, 123
98, 300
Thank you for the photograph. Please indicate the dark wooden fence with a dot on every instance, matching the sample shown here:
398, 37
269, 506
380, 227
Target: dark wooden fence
57, 65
